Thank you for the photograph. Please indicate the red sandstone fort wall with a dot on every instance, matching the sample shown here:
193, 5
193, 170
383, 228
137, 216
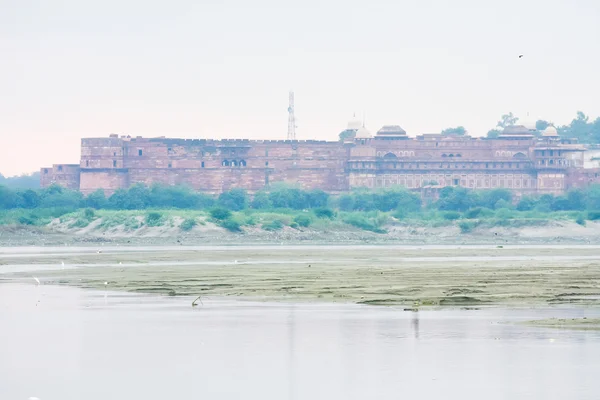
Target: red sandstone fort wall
523, 165
65, 175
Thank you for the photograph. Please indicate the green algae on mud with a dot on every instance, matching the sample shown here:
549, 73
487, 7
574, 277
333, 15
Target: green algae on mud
386, 276
566, 323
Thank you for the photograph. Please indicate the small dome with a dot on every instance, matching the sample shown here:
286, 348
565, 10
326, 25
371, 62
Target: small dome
391, 130
363, 133
550, 131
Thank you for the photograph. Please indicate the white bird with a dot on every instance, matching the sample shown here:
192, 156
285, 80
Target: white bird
235, 261
99, 251
63, 264
105, 283
37, 280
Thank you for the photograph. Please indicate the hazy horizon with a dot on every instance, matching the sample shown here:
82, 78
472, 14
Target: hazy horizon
223, 69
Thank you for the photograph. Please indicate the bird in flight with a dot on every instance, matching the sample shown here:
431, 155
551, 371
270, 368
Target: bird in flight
520, 55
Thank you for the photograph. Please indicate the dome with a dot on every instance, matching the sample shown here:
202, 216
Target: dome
516, 130
354, 124
391, 130
550, 131
363, 133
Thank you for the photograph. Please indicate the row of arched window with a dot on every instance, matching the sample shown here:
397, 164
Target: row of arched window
233, 163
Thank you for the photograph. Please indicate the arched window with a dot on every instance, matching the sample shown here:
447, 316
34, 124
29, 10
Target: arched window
444, 155
459, 155
234, 163
242, 163
390, 156
451, 155
225, 163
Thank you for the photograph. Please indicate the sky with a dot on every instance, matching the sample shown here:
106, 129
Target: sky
223, 68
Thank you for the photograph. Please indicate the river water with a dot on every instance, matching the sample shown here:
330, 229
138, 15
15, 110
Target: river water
59, 343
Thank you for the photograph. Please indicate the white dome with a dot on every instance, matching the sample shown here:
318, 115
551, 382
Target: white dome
354, 124
550, 131
363, 133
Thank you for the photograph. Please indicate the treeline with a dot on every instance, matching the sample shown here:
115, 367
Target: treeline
399, 199
140, 197
26, 181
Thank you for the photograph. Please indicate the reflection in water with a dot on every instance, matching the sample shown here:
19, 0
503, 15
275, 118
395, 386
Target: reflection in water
415, 323
76, 345
291, 335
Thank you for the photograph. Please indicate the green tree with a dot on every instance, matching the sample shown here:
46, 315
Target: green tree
317, 198
540, 124
576, 199
348, 133
8, 198
261, 201
507, 120
526, 204
582, 129
459, 130
346, 202
30, 199
96, 200
489, 198
235, 199
456, 199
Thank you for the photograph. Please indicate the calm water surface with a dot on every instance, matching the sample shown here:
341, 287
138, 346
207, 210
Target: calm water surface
60, 343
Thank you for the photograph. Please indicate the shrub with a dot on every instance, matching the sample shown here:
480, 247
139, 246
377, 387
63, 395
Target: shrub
580, 220
400, 213
220, 213
504, 213
360, 221
451, 215
294, 225
89, 213
25, 221
274, 225
323, 212
188, 224
80, 223
154, 219
302, 220
231, 225
593, 215
250, 220
473, 212
467, 226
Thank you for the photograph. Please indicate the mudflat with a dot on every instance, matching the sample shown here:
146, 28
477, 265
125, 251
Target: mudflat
413, 276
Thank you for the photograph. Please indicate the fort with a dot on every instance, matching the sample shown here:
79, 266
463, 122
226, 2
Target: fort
520, 159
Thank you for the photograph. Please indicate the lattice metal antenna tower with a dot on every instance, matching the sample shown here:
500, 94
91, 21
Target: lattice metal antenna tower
291, 119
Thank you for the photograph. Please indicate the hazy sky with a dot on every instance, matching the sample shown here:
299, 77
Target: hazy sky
222, 69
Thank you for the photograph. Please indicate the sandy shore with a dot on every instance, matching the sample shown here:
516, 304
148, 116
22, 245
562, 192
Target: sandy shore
380, 275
